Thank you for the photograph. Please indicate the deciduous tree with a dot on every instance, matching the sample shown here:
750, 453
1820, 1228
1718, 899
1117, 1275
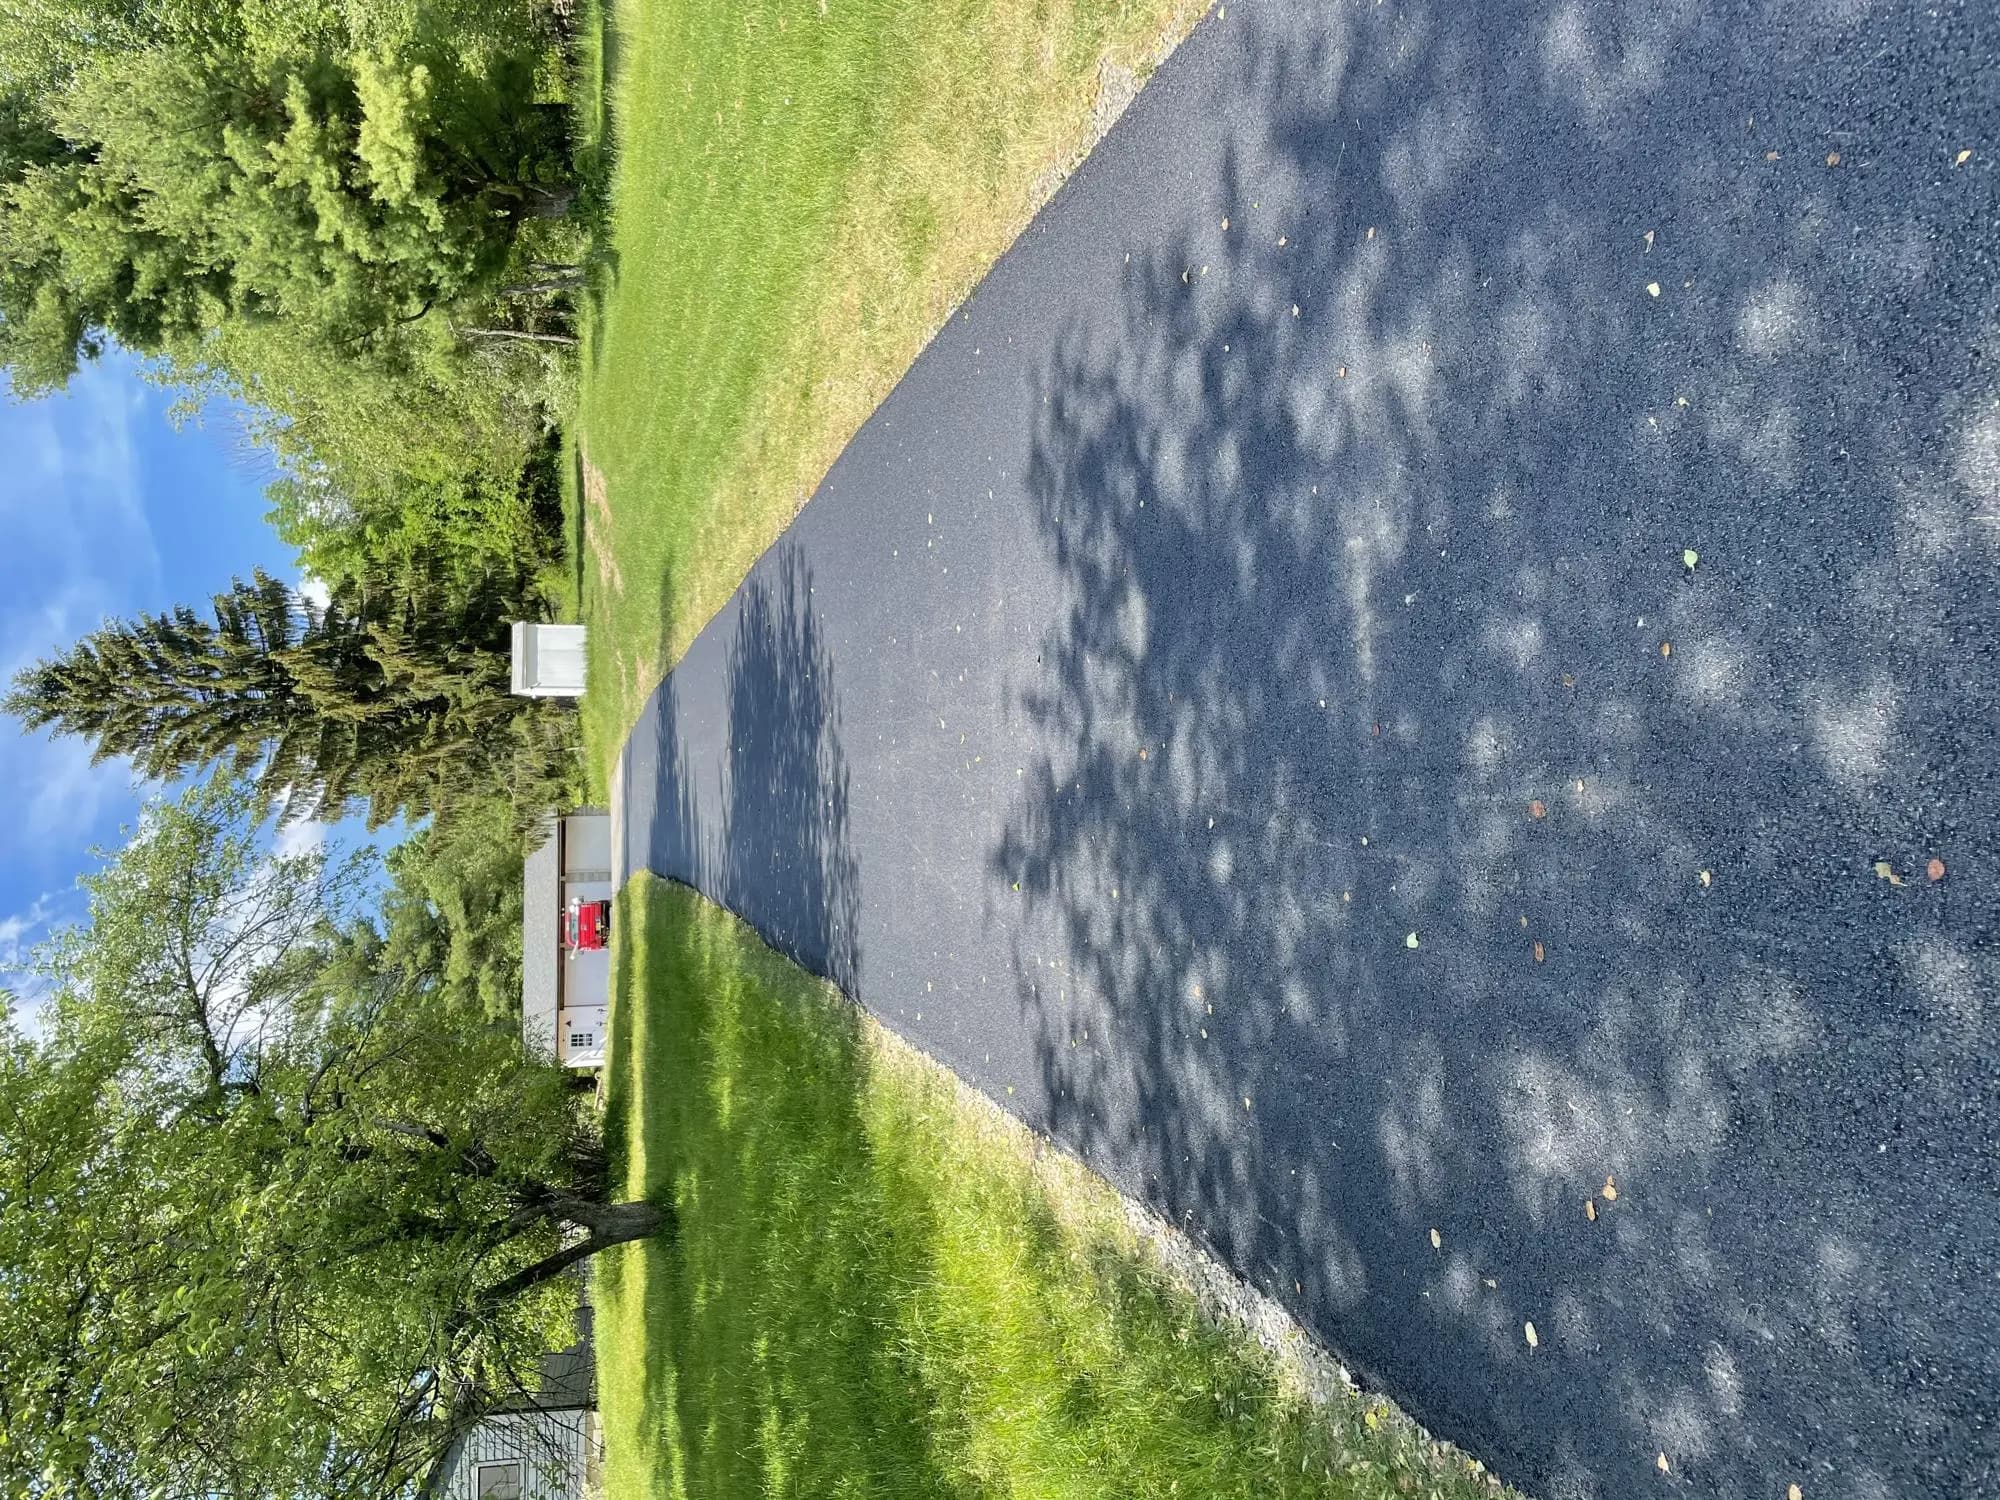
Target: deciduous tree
270, 1222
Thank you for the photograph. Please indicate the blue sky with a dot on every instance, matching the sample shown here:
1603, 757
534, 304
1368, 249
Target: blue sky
106, 508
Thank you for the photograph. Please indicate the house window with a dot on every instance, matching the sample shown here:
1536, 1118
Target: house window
497, 1482
581, 1039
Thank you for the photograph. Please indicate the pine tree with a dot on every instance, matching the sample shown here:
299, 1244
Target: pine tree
393, 696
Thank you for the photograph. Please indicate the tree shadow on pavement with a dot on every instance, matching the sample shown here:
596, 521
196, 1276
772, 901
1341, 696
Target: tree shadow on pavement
1429, 843
771, 839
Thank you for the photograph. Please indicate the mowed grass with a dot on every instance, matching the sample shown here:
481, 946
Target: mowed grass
800, 192
882, 1289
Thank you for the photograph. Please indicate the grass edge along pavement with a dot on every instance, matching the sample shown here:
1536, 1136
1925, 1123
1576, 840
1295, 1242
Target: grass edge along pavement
886, 1286
799, 195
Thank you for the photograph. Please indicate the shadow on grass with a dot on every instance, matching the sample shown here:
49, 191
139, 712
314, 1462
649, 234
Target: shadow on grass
875, 1295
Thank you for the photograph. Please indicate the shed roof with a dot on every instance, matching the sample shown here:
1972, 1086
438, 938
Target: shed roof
541, 936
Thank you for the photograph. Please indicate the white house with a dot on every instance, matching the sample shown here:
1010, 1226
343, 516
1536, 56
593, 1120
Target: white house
548, 660
565, 987
540, 1445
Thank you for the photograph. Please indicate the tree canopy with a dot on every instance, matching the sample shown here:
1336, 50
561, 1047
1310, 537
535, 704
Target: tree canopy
270, 1223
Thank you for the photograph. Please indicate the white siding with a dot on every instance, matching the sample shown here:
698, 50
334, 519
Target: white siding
587, 845
548, 660
550, 1447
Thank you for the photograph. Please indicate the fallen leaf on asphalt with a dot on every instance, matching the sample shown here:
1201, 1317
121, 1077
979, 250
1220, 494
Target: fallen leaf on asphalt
1666, 648
1652, 289
1246, 1101
1437, 1240
1689, 557
1833, 158
1649, 242
1590, 1209
1886, 871
1371, 231
1793, 1492
1295, 309
1962, 159
1538, 953
1770, 156
1610, 1190
1662, 1461
1935, 869
1537, 810
1225, 223
1524, 922
1492, 1285
1528, 1329
1706, 878
1410, 941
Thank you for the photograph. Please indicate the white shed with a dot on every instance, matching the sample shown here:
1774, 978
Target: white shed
548, 660
565, 990
541, 1445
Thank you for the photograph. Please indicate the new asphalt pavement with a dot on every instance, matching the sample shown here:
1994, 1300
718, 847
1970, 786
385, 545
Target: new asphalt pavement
1424, 652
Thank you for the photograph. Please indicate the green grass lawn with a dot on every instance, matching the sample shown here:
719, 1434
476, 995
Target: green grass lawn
799, 193
882, 1288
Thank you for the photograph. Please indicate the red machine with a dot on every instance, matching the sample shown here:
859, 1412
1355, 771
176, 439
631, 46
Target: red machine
587, 926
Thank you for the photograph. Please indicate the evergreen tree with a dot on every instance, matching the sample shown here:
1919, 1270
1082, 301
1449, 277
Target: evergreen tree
395, 695
206, 178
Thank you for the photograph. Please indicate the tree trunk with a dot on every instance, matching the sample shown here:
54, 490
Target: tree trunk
567, 340
569, 281
534, 201
609, 1224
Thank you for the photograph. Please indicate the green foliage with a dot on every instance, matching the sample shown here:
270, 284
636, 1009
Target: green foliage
394, 696
453, 911
272, 1222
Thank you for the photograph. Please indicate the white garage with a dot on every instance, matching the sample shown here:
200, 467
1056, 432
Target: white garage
565, 981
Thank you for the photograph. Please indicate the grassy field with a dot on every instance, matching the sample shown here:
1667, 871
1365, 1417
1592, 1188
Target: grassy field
800, 192
882, 1289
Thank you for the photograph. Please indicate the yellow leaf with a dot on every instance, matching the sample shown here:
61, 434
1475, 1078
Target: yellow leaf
1963, 158
1707, 879
1590, 1209
1652, 289
1610, 1190
1528, 1330
1886, 871
1793, 1492
1437, 1240
1662, 1461
1832, 160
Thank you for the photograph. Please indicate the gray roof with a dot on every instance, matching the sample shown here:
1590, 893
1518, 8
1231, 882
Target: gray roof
541, 937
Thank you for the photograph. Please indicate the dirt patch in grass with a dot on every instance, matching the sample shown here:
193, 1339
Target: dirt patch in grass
600, 529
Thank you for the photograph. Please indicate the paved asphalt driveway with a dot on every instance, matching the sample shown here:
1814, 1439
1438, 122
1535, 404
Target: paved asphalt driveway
1243, 703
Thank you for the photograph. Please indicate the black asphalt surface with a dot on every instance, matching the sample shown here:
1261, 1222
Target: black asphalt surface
1242, 702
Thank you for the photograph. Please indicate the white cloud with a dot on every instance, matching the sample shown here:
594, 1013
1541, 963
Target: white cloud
298, 838
20, 932
78, 548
